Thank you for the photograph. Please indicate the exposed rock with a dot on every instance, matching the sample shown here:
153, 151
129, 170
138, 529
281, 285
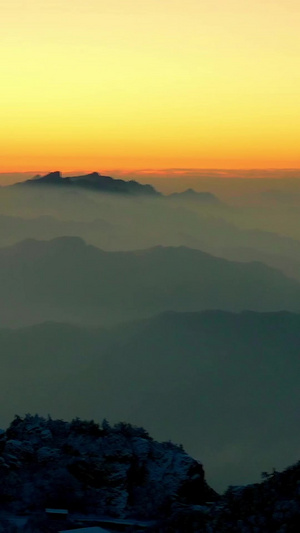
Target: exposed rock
116, 471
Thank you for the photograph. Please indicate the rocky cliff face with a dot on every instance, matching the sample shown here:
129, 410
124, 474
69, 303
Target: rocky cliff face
116, 471
272, 506
121, 472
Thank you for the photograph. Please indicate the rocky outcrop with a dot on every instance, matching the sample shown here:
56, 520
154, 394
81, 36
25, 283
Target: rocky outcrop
272, 506
122, 473
116, 471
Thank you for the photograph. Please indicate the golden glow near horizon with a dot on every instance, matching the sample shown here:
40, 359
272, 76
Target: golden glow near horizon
149, 83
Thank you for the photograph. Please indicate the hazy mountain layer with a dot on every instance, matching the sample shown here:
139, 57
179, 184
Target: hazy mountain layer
85, 197
128, 222
64, 279
191, 195
224, 385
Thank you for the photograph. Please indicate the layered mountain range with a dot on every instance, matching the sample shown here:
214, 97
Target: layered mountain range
65, 279
132, 304
224, 385
131, 221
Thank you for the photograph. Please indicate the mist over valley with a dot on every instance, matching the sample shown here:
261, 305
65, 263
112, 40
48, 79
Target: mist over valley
177, 312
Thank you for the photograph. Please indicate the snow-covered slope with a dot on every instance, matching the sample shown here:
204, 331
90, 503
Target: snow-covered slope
115, 471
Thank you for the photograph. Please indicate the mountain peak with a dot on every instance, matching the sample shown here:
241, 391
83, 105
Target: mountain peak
52, 176
94, 181
90, 175
204, 197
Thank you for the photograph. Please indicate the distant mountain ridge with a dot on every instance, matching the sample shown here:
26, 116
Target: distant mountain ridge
66, 279
225, 385
93, 181
203, 197
102, 183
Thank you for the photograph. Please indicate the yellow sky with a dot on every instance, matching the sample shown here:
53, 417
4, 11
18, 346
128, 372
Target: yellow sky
149, 83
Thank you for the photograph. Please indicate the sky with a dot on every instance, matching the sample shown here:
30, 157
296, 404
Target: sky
136, 84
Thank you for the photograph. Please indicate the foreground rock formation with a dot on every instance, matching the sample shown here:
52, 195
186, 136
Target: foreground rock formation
115, 471
120, 479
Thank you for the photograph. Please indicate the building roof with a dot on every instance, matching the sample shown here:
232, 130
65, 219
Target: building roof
95, 529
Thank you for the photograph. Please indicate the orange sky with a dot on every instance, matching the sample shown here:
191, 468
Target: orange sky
163, 83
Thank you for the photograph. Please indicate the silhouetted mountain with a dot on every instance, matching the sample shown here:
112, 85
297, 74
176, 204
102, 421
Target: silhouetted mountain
65, 279
93, 181
191, 195
53, 178
289, 263
16, 229
225, 385
138, 222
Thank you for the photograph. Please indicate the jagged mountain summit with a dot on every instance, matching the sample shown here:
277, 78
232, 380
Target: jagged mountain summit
93, 181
